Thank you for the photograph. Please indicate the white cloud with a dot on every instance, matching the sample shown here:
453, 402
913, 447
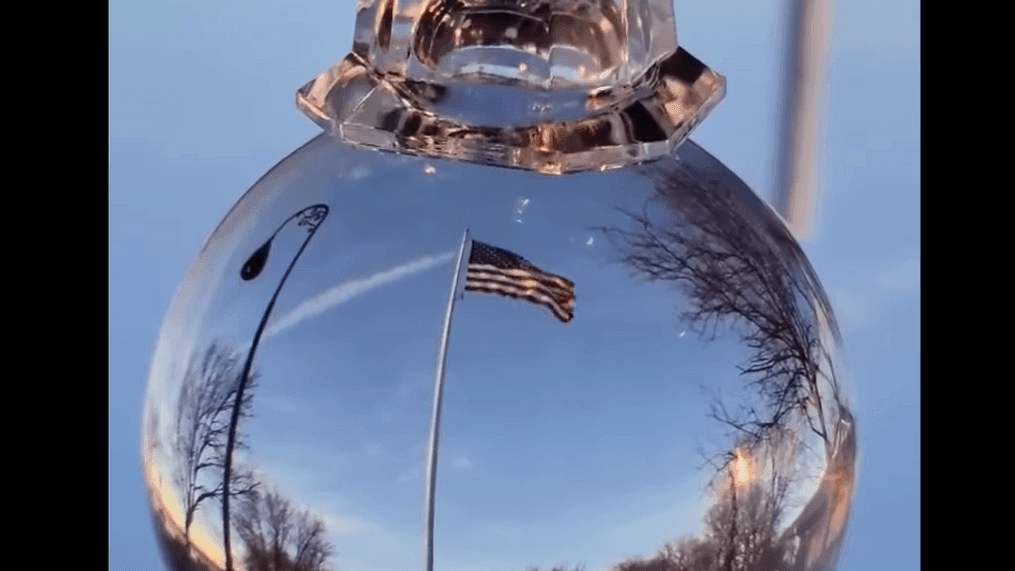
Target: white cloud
461, 463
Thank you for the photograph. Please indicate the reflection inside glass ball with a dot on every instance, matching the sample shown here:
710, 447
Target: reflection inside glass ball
379, 362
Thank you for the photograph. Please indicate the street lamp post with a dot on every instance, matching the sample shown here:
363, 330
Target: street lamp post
312, 217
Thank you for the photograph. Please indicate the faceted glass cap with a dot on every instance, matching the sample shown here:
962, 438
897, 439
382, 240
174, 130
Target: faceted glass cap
548, 85
544, 43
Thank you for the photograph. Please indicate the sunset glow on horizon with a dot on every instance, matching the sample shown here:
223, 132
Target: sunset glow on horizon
167, 503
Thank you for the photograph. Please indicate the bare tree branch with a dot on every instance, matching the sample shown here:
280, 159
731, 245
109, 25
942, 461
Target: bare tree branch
739, 272
202, 416
280, 537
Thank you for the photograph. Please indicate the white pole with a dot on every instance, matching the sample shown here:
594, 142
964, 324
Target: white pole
438, 392
797, 184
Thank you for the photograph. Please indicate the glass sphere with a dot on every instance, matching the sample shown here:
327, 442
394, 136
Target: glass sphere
389, 362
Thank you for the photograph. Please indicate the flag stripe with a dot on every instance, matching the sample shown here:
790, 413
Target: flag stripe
561, 313
523, 282
522, 274
560, 298
500, 272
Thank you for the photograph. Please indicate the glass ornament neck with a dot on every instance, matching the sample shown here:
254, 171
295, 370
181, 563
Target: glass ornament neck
547, 85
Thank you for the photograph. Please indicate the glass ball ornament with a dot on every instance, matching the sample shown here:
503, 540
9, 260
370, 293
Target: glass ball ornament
540, 329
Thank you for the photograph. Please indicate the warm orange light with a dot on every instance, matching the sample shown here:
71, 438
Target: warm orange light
742, 474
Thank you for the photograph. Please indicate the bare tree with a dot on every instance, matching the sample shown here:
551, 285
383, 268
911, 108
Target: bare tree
280, 537
739, 535
690, 554
311, 548
740, 527
740, 268
654, 564
202, 423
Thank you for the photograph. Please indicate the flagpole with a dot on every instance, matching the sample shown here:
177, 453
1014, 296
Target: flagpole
438, 392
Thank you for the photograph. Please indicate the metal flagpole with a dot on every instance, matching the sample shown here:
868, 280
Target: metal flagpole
438, 391
806, 68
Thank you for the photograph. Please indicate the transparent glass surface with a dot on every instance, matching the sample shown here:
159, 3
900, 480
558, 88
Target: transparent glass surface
682, 407
562, 43
549, 85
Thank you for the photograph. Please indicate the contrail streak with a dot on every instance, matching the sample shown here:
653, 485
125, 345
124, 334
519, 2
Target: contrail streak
348, 290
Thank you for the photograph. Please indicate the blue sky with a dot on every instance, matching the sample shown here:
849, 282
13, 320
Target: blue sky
201, 104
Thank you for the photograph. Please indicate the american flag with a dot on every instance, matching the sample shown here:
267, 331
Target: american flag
497, 271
